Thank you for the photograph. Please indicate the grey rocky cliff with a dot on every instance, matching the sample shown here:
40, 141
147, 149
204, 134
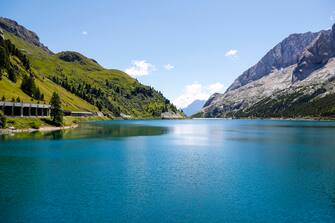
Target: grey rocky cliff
316, 55
284, 54
13, 27
297, 71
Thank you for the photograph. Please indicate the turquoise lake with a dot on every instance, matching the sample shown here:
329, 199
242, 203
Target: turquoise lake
171, 171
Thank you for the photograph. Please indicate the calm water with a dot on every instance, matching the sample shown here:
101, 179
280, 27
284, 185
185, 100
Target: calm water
171, 171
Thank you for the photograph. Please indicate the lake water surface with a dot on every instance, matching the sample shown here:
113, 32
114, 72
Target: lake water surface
171, 171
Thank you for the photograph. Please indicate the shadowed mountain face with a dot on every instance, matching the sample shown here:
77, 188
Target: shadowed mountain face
296, 75
316, 55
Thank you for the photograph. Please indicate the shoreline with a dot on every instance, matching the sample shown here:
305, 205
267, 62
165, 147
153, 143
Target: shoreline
269, 118
41, 129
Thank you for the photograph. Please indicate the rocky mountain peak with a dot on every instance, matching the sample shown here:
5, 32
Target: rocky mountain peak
316, 55
13, 27
284, 54
294, 78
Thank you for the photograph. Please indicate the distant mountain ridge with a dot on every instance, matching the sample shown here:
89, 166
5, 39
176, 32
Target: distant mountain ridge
294, 79
194, 107
13, 27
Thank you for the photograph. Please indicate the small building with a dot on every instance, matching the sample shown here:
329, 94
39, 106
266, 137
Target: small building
78, 113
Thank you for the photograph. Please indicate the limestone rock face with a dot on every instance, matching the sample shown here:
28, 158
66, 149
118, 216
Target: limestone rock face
284, 54
316, 55
297, 71
13, 27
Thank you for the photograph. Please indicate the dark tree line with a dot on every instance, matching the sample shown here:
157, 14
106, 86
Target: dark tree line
8, 49
87, 92
29, 87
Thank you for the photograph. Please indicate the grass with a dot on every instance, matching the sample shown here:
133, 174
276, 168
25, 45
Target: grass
69, 101
36, 123
24, 123
11, 90
68, 121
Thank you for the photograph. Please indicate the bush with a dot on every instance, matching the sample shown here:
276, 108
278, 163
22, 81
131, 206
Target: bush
35, 125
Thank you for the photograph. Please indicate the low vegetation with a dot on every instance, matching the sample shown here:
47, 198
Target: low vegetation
293, 105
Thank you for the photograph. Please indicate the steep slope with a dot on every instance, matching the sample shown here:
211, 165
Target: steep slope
305, 88
12, 26
16, 67
316, 55
284, 54
111, 91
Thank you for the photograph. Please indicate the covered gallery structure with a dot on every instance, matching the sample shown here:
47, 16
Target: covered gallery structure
24, 109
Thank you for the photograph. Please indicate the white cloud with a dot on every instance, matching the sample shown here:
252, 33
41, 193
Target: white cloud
84, 33
215, 87
168, 67
231, 53
332, 17
140, 68
196, 91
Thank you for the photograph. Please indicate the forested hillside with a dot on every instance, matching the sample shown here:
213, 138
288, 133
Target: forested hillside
81, 82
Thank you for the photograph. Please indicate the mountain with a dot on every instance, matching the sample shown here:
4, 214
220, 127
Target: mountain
83, 84
284, 54
13, 27
194, 107
294, 79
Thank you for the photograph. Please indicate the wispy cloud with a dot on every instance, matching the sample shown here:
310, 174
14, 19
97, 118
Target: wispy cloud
168, 67
140, 68
332, 17
84, 33
196, 91
231, 53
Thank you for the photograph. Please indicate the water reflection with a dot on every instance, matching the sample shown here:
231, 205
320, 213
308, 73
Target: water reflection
93, 130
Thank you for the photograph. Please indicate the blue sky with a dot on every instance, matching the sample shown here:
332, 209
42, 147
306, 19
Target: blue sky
186, 49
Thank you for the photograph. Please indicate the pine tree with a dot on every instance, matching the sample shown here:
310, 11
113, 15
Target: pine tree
12, 75
56, 110
28, 85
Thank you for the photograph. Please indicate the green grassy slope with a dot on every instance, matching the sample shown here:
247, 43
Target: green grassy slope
11, 90
110, 90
